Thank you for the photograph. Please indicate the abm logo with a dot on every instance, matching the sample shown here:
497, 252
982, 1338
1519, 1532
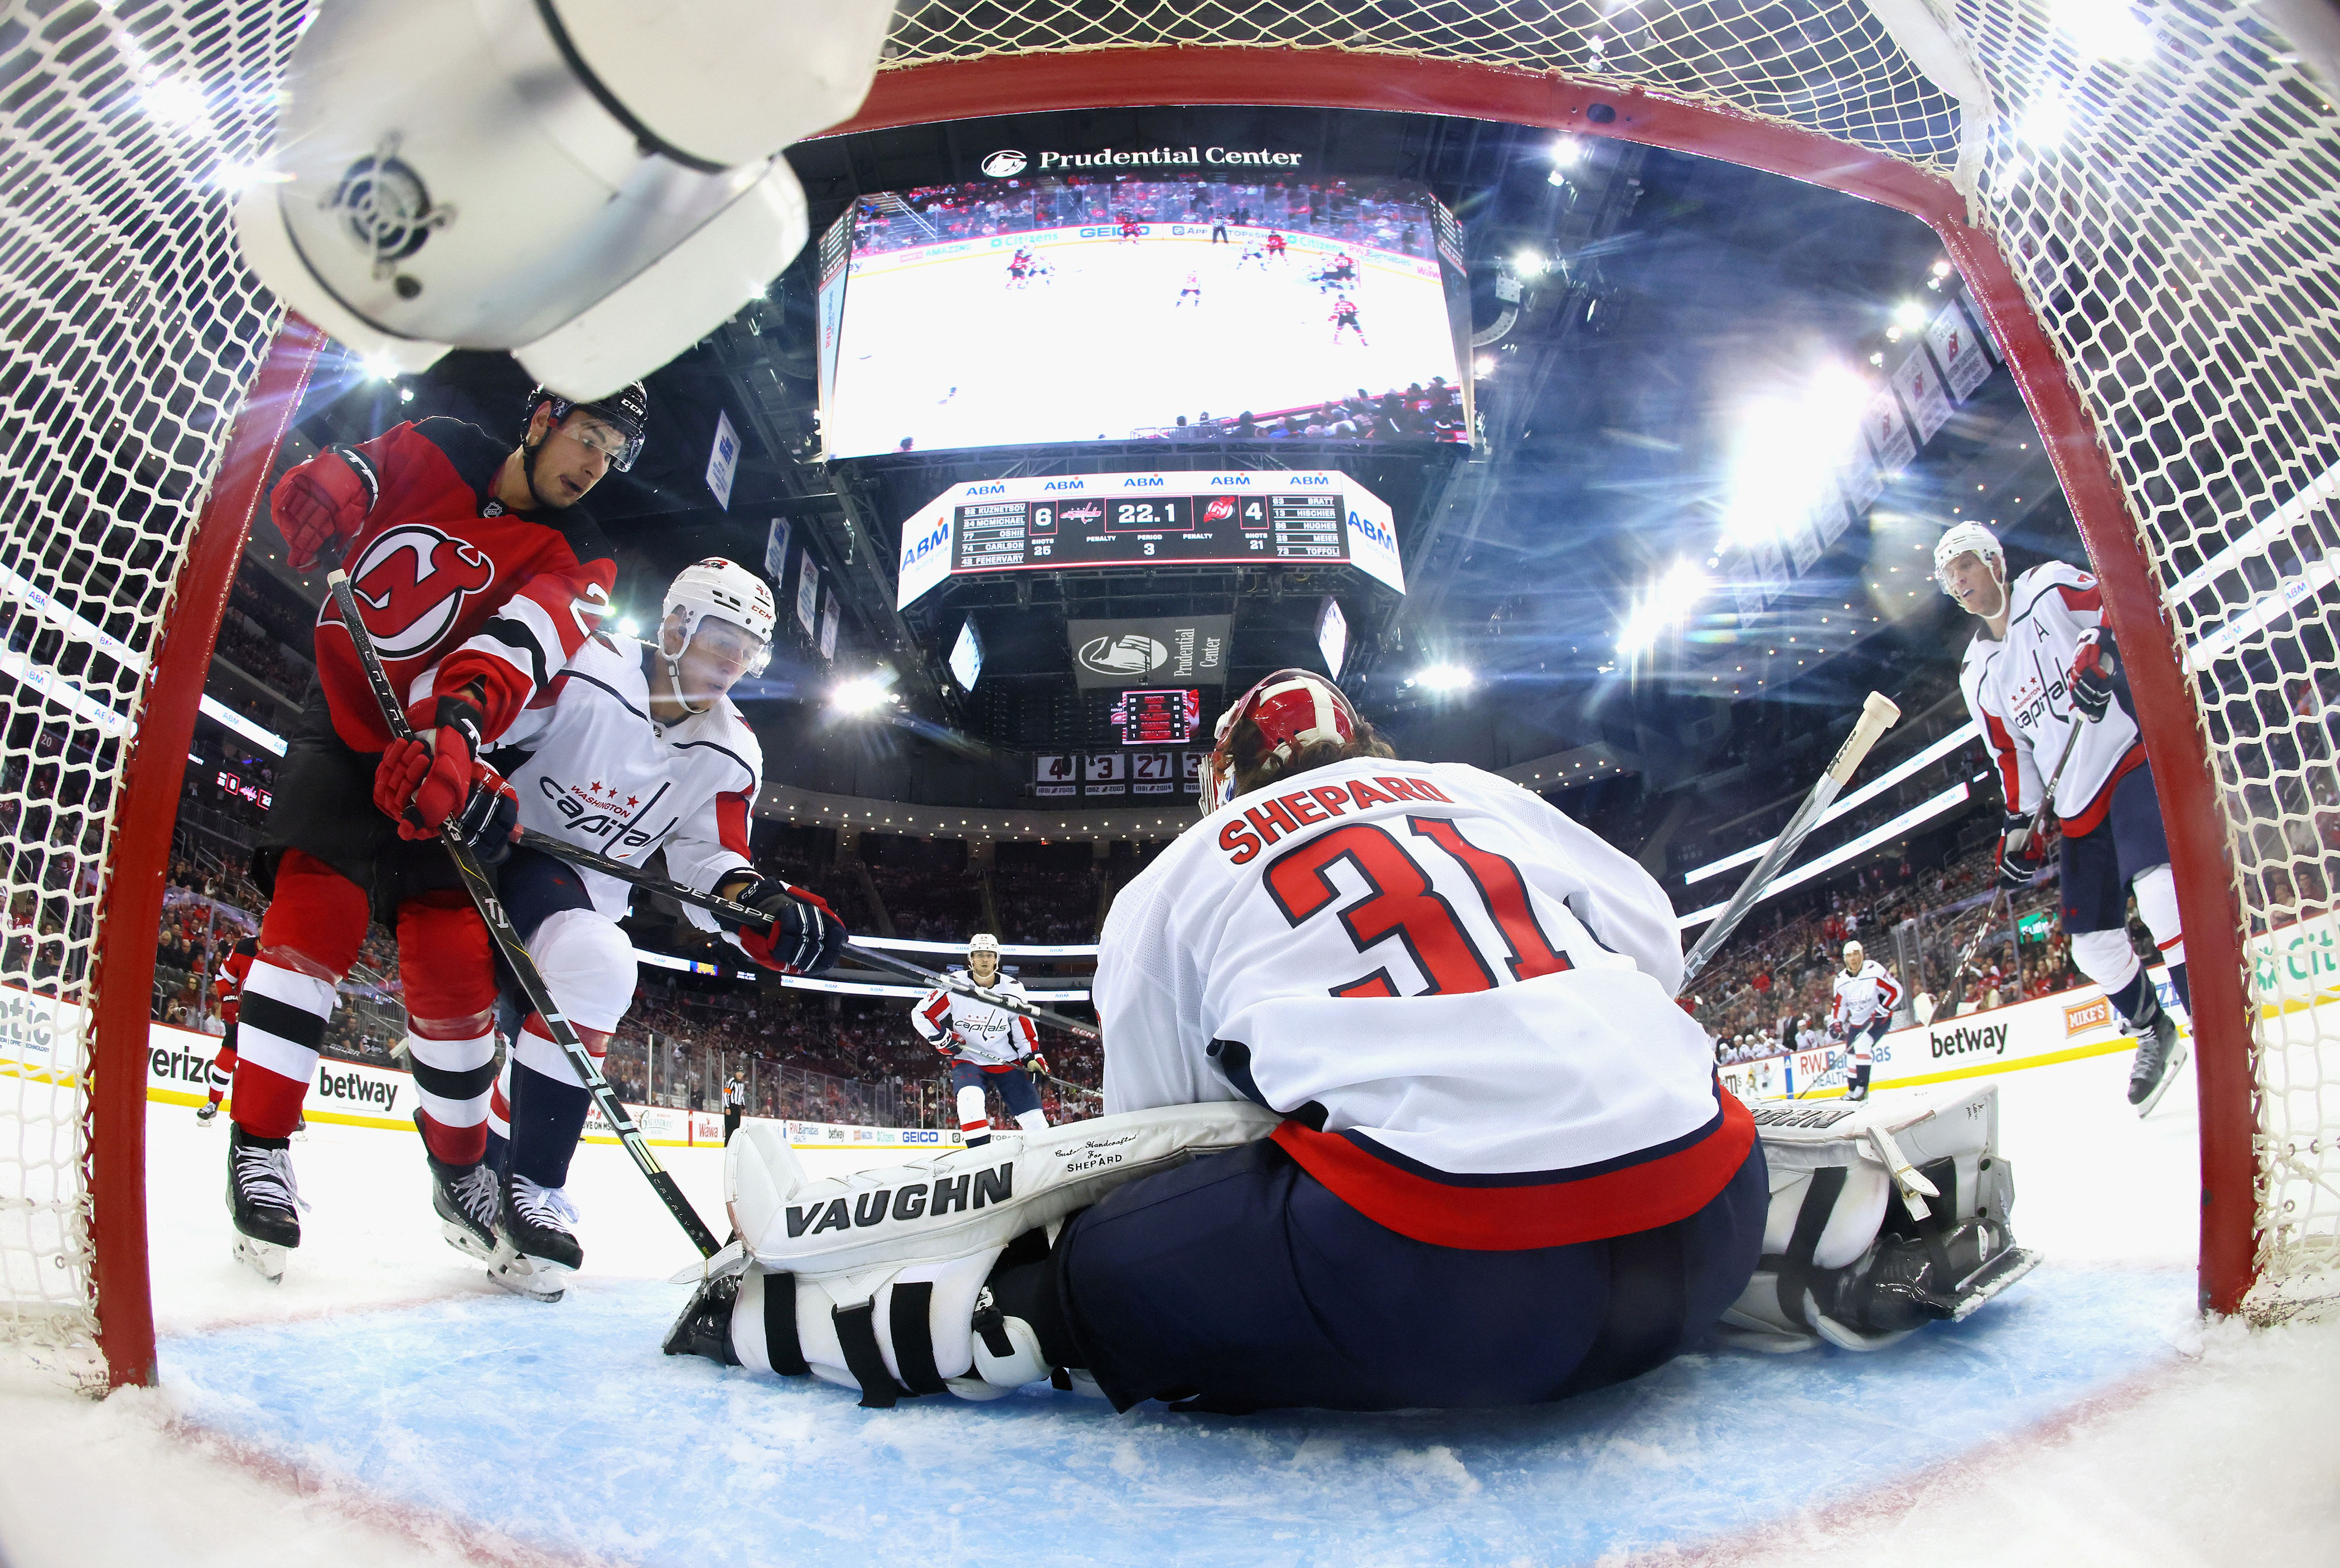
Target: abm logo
1374, 530
917, 550
1005, 163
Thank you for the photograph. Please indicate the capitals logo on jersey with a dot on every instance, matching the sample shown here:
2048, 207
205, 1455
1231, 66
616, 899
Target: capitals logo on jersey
411, 584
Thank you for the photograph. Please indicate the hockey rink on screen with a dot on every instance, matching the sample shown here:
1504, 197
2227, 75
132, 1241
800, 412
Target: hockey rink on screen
944, 352
386, 1376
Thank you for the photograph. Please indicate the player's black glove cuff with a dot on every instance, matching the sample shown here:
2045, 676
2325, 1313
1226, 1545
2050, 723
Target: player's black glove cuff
2022, 850
2094, 671
804, 935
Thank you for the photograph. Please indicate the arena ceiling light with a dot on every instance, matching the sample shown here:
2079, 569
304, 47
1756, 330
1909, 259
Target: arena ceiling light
1444, 678
865, 694
1786, 450
1663, 609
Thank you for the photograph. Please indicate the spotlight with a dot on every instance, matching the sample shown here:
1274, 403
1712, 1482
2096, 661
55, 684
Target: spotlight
860, 696
1444, 678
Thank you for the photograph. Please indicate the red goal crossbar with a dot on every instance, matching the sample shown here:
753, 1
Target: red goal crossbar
2174, 741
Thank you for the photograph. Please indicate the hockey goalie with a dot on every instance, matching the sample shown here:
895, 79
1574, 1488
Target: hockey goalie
1402, 1114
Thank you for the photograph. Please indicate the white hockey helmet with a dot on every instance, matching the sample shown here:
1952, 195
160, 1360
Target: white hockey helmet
1960, 539
729, 591
1850, 948
983, 942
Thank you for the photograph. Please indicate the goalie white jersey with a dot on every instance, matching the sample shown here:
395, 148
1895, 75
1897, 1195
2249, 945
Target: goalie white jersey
591, 766
1462, 999
2017, 691
996, 1038
1869, 994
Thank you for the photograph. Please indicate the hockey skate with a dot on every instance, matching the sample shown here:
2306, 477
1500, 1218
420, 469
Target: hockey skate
536, 1248
705, 1327
264, 1201
206, 1115
2159, 1054
465, 1199
1884, 1217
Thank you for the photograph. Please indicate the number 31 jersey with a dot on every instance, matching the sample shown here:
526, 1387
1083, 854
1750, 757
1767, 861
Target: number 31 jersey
1460, 999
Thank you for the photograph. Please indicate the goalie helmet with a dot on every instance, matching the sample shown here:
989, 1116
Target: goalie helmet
1961, 539
1291, 709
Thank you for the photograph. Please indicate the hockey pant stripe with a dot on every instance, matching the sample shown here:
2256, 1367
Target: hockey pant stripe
453, 1079
278, 1030
222, 1068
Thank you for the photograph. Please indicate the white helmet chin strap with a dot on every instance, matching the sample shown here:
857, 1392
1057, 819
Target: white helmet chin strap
674, 673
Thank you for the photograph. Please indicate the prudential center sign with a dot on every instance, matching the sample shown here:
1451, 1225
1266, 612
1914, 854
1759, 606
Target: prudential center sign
1009, 162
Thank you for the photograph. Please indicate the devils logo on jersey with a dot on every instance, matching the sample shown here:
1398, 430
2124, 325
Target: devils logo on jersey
412, 582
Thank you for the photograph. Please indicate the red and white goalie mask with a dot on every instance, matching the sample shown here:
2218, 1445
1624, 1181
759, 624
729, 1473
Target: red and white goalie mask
1293, 709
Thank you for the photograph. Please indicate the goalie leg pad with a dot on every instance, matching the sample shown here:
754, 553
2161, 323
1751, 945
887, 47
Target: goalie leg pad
1883, 1217
917, 1278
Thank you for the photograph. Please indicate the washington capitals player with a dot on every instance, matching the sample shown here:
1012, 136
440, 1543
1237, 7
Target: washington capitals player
1866, 995
986, 1045
2042, 664
629, 751
477, 578
1401, 1114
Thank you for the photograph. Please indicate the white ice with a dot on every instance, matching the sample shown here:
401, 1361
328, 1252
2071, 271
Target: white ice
947, 354
385, 1405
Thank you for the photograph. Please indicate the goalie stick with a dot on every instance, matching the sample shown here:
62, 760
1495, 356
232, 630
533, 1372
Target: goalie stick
515, 952
1990, 914
731, 909
1877, 714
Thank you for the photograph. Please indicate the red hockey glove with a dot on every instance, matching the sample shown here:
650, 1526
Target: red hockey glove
2092, 673
805, 937
949, 1046
422, 784
488, 821
2022, 850
323, 503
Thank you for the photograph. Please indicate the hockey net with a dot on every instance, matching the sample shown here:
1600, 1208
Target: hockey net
2152, 194
129, 335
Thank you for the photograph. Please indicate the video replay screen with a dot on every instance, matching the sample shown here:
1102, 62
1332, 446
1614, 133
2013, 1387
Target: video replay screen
1030, 311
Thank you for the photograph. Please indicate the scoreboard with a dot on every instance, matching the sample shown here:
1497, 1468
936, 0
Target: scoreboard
1119, 520
1157, 718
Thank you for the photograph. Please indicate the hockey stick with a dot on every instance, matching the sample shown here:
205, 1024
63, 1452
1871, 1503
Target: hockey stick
1877, 714
515, 953
1990, 914
731, 910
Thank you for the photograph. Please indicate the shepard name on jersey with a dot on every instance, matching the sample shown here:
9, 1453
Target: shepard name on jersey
592, 766
995, 1038
2017, 690
1869, 994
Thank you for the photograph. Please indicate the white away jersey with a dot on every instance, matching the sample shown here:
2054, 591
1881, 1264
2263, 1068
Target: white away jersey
599, 772
996, 1037
2016, 691
1463, 1000
1870, 993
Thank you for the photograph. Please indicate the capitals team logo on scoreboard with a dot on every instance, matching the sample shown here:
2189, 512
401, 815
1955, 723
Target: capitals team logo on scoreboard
1004, 163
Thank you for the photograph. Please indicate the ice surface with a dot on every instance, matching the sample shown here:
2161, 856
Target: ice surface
384, 1405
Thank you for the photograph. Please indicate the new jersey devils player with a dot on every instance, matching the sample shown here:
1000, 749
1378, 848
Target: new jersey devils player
1345, 320
477, 579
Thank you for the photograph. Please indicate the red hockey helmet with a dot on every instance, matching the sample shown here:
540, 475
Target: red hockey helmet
1293, 708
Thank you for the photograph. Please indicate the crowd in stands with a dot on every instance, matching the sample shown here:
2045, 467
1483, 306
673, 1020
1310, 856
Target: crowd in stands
244, 643
1416, 412
1330, 209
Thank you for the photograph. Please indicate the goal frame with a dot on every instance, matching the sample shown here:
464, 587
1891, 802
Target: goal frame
2175, 742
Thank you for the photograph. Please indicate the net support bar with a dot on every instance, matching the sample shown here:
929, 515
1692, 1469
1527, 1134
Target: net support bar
148, 810
2174, 743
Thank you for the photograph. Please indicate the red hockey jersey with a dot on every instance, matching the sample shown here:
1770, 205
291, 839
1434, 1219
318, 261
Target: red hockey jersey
445, 577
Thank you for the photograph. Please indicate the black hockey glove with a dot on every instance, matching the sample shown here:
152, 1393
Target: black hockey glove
2022, 850
1036, 1064
805, 937
2093, 671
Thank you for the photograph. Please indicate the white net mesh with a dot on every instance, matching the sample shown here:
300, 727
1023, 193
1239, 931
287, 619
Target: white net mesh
128, 333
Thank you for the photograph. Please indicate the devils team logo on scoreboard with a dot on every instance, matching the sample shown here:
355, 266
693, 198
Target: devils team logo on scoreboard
1220, 508
411, 584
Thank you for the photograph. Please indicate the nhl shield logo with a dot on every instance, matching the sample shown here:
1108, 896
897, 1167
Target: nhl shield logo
1005, 163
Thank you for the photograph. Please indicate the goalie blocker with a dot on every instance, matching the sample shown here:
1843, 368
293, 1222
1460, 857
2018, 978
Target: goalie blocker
977, 1272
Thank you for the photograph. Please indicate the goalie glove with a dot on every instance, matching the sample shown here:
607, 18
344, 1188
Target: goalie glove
2093, 670
2022, 850
322, 504
805, 936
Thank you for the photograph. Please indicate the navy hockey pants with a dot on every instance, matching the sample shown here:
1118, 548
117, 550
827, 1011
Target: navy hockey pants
1239, 1282
1016, 1088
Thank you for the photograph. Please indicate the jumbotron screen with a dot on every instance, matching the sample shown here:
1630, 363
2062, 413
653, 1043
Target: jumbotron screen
1016, 312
